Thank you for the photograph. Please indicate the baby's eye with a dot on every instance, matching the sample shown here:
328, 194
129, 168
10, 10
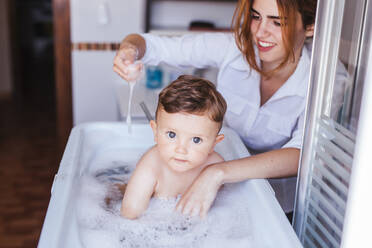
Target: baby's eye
171, 134
196, 140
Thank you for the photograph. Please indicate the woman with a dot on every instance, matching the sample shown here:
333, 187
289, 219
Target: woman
263, 75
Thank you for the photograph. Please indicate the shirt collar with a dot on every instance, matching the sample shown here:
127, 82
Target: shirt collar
297, 83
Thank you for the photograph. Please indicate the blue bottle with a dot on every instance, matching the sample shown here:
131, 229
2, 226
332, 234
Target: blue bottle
154, 77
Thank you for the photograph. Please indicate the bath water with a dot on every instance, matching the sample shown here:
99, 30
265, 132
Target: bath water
134, 75
100, 224
129, 116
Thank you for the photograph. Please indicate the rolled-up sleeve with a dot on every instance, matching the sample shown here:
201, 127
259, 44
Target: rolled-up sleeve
297, 134
197, 50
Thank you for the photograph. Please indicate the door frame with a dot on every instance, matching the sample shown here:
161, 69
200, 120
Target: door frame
63, 72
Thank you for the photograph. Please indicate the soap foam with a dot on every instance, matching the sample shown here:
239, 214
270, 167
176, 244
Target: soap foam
100, 223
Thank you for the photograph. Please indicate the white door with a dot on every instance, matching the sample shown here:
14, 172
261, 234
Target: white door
333, 160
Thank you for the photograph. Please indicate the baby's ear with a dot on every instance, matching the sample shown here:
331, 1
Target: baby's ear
154, 130
219, 138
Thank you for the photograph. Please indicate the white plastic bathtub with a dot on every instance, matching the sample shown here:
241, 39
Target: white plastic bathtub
60, 229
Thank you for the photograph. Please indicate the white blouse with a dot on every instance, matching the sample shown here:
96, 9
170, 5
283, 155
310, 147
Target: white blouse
276, 124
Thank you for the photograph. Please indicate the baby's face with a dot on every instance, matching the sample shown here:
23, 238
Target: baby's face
185, 140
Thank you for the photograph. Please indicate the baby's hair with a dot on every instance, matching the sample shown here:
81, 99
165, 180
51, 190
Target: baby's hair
192, 95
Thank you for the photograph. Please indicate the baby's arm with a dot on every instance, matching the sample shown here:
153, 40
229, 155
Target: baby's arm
214, 158
201, 194
140, 188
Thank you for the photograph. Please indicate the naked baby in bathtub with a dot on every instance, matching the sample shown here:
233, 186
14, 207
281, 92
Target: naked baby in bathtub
186, 129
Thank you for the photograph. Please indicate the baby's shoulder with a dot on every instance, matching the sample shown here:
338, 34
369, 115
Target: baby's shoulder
149, 159
215, 157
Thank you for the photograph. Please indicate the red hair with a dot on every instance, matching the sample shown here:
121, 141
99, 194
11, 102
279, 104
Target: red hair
287, 8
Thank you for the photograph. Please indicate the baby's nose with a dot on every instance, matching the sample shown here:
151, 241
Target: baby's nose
181, 148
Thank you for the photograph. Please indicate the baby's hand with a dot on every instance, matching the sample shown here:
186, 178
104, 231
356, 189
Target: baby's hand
201, 194
125, 63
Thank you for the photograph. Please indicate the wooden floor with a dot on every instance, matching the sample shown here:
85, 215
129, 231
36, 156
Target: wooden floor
28, 162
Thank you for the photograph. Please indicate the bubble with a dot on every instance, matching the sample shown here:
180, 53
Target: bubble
100, 224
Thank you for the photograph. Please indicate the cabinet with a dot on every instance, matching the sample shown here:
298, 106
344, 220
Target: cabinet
177, 14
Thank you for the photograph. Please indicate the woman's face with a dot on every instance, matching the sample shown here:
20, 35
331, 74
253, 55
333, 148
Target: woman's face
267, 33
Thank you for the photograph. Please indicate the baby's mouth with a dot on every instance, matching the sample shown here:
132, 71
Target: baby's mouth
180, 160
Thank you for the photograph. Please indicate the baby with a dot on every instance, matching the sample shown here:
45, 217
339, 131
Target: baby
189, 117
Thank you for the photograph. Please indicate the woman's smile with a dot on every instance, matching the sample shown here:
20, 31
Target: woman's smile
265, 46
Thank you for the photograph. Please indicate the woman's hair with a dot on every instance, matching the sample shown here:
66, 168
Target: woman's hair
193, 95
287, 8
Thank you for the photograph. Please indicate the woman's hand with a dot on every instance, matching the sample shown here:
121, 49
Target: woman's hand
124, 62
199, 197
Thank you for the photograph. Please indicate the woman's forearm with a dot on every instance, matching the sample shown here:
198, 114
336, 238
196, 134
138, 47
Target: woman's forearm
136, 41
272, 164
